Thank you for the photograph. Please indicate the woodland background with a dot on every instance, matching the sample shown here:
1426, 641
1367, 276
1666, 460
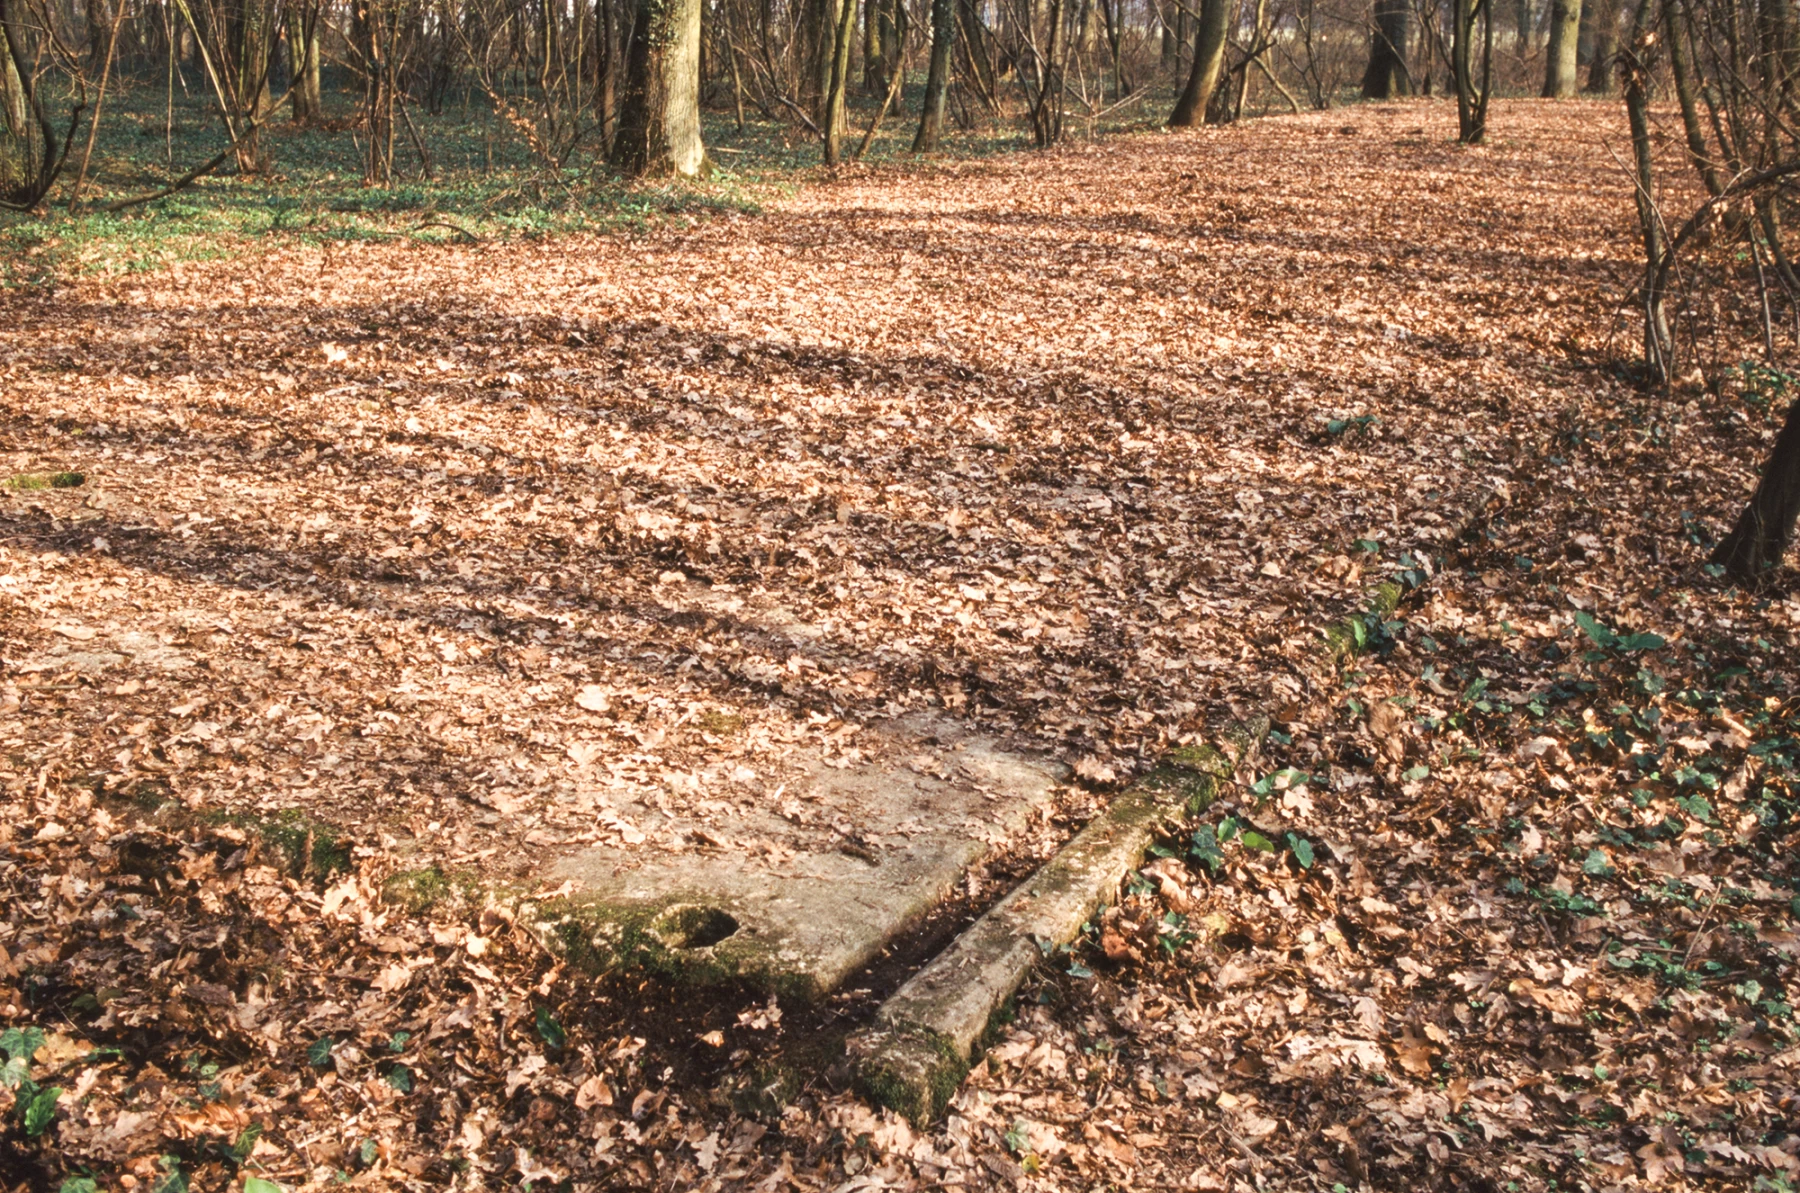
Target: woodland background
383, 374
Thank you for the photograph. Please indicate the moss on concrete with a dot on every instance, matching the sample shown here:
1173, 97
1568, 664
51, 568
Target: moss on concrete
312, 848
419, 891
674, 938
911, 1070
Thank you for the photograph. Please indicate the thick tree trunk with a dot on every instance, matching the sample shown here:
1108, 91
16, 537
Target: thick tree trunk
1386, 76
1755, 546
606, 70
303, 63
659, 117
30, 164
12, 92
1565, 41
1209, 61
839, 82
874, 47
937, 75
1605, 46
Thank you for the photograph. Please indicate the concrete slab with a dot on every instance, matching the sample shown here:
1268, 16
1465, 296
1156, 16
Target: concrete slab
880, 844
926, 1035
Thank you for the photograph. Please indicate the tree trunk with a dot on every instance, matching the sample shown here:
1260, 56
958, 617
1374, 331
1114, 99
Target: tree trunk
839, 83
37, 157
1209, 61
1759, 540
1471, 94
303, 63
1046, 112
659, 116
12, 92
606, 71
1675, 29
937, 75
1565, 41
1634, 72
1386, 76
1606, 46
874, 48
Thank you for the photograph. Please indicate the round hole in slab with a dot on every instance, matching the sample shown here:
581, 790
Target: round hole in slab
689, 927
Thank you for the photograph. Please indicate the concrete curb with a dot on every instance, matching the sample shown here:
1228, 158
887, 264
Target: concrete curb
926, 1035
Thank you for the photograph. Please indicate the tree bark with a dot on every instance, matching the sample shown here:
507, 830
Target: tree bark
835, 98
875, 65
1565, 42
1386, 76
1471, 94
1605, 46
1209, 62
303, 62
937, 75
12, 92
1757, 543
659, 116
1634, 71
1046, 111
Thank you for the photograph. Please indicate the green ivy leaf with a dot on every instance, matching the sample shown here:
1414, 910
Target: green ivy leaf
401, 1078
256, 1184
78, 1184
1255, 840
1597, 865
1601, 636
319, 1055
1206, 849
21, 1043
1281, 780
1302, 850
1416, 773
245, 1143
171, 1179
40, 1111
1697, 806
15, 1073
550, 1031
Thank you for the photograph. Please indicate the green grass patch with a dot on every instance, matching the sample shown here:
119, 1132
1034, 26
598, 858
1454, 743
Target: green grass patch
485, 184
26, 482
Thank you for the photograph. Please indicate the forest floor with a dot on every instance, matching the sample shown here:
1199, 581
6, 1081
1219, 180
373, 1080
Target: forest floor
340, 562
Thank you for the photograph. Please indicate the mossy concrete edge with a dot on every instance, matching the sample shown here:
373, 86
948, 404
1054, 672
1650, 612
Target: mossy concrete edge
926, 1035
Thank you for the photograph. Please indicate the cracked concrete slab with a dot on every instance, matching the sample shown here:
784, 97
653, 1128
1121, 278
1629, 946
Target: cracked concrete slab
893, 836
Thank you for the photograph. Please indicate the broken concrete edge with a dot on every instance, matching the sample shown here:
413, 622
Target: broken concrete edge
929, 1033
307, 848
909, 1069
596, 936
666, 938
